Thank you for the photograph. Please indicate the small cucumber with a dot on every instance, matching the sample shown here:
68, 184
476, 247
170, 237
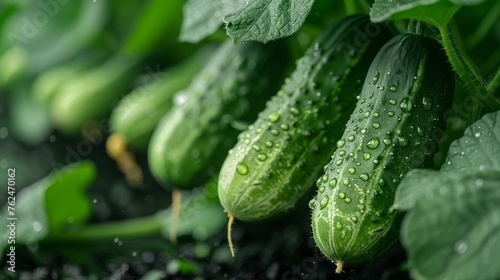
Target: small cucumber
279, 157
89, 96
138, 113
406, 94
190, 143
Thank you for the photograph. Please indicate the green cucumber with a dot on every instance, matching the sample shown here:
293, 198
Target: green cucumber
191, 141
406, 95
279, 157
138, 113
90, 96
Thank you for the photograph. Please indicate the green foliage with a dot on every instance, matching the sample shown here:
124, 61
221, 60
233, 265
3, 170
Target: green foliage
453, 215
51, 205
260, 20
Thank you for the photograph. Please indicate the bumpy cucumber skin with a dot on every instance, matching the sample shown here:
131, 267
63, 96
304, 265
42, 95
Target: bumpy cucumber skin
190, 143
138, 113
280, 156
406, 94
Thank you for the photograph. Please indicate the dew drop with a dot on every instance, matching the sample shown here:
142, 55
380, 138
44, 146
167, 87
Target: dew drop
363, 131
284, 126
339, 162
351, 138
364, 177
333, 183
393, 88
338, 225
376, 125
312, 203
387, 141
366, 114
420, 131
261, 157
274, 117
406, 105
274, 132
367, 156
324, 202
461, 247
340, 143
477, 135
342, 153
373, 143
347, 200
351, 170
381, 182
242, 168
37, 226
256, 148
354, 219
269, 144
324, 179
345, 182
427, 103
376, 77
341, 195
321, 189
295, 111
402, 141
393, 101
390, 113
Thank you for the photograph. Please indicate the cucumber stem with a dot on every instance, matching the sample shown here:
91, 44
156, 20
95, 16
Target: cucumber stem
229, 229
176, 212
116, 147
340, 265
467, 73
123, 229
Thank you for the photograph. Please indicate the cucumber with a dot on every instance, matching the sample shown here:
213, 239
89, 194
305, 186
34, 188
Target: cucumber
137, 114
190, 143
89, 96
406, 94
279, 157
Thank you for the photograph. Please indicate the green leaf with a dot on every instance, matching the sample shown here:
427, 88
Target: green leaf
479, 147
436, 12
49, 205
452, 230
266, 20
468, 2
201, 20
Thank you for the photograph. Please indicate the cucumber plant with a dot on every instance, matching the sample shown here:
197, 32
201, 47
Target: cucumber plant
281, 154
191, 141
406, 94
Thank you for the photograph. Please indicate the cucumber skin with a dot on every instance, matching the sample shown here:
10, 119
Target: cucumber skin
354, 223
139, 112
190, 143
317, 89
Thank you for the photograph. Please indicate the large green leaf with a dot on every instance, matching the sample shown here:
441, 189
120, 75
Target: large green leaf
479, 147
202, 18
452, 230
49, 205
436, 12
266, 20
